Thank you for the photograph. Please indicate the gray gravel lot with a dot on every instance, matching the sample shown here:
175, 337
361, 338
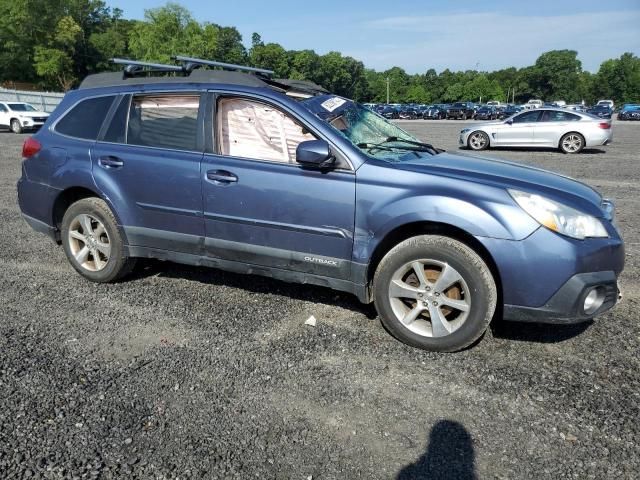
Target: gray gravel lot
184, 372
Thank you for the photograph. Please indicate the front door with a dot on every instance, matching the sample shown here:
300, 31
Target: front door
148, 164
261, 207
519, 131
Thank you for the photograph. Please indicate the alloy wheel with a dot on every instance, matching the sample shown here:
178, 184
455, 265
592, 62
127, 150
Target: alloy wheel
89, 242
572, 143
477, 141
429, 297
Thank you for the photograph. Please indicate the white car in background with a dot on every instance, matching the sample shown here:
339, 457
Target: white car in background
20, 116
534, 103
608, 103
560, 128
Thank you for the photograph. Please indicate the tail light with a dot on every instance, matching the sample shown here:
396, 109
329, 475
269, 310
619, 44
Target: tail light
30, 147
605, 125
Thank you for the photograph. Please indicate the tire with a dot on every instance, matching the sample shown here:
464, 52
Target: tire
15, 126
571, 142
97, 263
475, 290
478, 140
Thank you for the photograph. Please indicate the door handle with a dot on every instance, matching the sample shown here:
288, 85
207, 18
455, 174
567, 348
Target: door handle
110, 161
221, 176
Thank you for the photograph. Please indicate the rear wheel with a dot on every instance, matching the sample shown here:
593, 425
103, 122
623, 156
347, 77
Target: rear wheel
478, 140
15, 126
572, 143
93, 243
434, 293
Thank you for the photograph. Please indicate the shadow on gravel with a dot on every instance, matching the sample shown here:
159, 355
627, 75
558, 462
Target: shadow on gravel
537, 332
449, 455
252, 283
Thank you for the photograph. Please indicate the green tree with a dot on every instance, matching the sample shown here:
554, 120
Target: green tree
54, 61
270, 56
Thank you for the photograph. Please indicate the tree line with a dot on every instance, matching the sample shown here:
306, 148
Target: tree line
56, 43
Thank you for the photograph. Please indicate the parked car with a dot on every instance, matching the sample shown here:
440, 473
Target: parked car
390, 113
486, 113
601, 111
577, 107
461, 110
316, 190
534, 103
509, 111
495, 103
542, 127
608, 103
20, 116
435, 112
629, 112
408, 114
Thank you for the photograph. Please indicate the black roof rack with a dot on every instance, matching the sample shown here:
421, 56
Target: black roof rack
140, 73
190, 63
133, 67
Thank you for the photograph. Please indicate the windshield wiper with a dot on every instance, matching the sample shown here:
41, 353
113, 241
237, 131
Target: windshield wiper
411, 142
382, 146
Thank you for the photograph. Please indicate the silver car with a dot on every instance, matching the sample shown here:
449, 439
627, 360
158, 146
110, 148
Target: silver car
569, 131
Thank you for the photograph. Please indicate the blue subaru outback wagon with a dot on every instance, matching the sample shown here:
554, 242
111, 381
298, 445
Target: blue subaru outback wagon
240, 171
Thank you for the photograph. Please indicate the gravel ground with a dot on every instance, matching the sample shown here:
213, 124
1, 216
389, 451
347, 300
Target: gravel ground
182, 372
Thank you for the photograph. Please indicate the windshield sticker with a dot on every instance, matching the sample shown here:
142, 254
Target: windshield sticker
333, 103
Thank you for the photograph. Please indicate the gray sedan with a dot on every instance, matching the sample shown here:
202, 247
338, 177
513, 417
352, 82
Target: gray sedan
569, 131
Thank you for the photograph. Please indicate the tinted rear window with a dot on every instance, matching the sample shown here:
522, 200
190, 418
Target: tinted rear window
85, 119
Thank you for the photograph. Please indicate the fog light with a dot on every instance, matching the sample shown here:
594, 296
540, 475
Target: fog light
593, 301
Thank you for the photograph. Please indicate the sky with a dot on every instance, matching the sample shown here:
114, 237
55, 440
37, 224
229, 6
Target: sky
418, 35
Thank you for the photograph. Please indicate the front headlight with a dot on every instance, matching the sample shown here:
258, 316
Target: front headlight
558, 217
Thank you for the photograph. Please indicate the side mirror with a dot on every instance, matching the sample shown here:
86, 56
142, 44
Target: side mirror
509, 122
314, 153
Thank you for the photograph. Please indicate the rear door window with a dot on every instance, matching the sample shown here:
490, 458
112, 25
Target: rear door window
164, 121
85, 119
557, 116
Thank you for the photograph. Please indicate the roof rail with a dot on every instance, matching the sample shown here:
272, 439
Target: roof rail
134, 66
190, 63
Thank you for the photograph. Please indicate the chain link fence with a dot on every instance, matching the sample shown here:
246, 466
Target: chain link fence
45, 101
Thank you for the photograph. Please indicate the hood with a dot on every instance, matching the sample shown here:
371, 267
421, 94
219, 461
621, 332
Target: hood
32, 114
504, 174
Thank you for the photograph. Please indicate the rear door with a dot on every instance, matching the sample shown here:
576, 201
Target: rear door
551, 126
147, 161
519, 131
260, 206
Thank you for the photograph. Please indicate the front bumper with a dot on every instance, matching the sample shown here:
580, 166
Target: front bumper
545, 277
566, 306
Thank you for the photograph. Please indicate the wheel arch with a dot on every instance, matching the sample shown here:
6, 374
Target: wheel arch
403, 232
69, 196
481, 131
584, 139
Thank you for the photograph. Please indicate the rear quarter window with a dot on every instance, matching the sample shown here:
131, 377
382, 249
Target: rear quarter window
85, 119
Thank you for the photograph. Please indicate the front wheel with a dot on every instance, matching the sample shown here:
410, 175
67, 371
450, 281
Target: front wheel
15, 126
571, 143
434, 293
93, 242
478, 141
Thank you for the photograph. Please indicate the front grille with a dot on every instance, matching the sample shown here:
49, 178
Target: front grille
39, 119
